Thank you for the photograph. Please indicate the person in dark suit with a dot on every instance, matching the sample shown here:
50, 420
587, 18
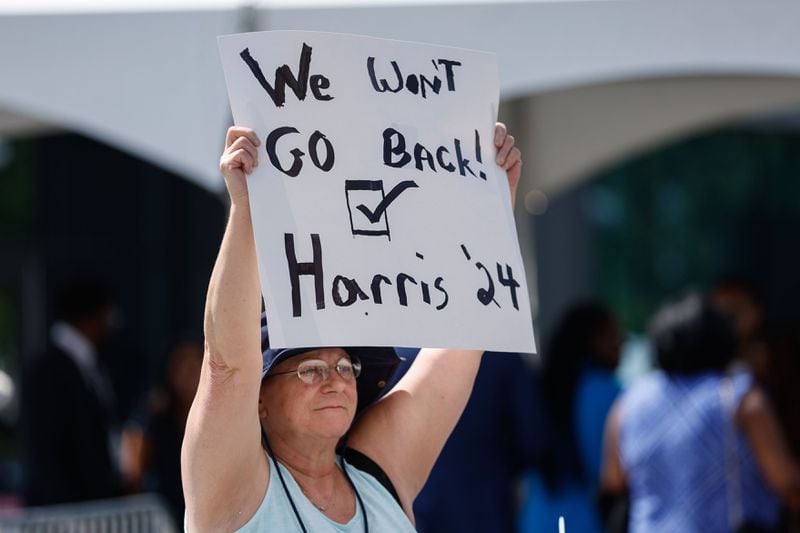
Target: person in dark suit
67, 405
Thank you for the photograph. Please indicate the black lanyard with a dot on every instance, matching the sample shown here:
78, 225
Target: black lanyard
359, 501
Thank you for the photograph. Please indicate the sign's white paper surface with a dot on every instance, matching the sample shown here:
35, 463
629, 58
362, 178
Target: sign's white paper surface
379, 214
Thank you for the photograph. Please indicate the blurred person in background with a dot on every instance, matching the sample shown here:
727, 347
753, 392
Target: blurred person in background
474, 485
698, 450
772, 354
68, 423
579, 388
781, 378
741, 301
151, 444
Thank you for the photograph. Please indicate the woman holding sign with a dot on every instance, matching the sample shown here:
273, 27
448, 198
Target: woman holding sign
271, 443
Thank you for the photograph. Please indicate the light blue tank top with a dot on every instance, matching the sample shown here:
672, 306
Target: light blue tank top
675, 453
275, 512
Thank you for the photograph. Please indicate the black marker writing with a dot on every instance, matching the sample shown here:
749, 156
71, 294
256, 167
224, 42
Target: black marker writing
401, 288
396, 155
297, 163
508, 280
478, 157
377, 212
347, 291
486, 295
352, 288
284, 77
438, 284
414, 83
314, 268
375, 287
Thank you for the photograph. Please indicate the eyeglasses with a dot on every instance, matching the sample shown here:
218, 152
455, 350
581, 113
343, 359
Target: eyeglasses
315, 371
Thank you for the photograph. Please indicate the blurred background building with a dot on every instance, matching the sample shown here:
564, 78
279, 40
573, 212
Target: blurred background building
661, 140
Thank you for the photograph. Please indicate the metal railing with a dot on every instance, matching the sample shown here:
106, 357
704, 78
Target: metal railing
144, 513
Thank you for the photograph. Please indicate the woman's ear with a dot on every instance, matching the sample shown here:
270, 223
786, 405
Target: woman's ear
262, 407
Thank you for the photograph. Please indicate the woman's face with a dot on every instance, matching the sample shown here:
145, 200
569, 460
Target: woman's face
326, 409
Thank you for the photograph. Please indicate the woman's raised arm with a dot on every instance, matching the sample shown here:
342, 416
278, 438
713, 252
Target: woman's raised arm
223, 468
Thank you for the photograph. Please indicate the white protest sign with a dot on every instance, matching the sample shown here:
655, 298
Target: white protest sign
379, 214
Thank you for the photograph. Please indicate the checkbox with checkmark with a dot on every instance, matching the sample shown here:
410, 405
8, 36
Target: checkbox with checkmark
367, 204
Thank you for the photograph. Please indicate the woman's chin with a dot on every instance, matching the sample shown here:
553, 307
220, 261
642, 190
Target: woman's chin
333, 422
